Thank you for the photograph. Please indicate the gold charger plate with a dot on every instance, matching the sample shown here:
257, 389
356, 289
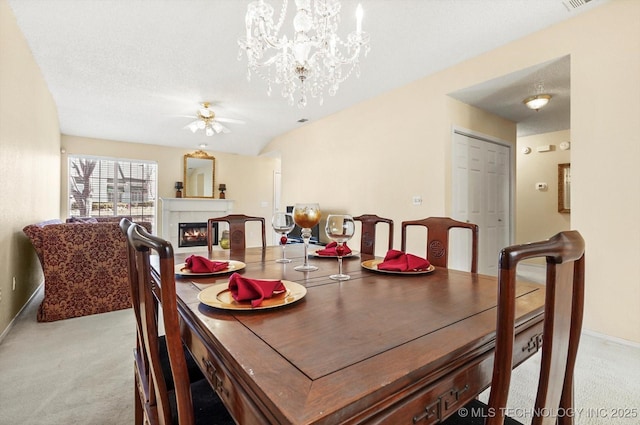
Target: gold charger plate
353, 253
219, 296
234, 266
373, 265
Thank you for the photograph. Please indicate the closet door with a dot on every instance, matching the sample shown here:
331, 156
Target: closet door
481, 194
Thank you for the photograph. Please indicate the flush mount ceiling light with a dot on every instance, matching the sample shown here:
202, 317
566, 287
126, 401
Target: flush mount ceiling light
312, 59
539, 100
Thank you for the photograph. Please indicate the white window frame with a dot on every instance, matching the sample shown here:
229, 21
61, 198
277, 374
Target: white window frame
107, 175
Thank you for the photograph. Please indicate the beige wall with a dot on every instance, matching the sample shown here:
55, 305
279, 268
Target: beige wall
537, 213
393, 149
249, 179
29, 164
374, 156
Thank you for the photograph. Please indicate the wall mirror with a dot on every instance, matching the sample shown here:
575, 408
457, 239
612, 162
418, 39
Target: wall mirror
564, 188
199, 175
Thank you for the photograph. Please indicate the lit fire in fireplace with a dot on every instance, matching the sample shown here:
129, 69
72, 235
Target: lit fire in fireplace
195, 234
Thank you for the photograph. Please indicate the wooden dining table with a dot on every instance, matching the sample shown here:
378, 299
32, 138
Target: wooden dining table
378, 348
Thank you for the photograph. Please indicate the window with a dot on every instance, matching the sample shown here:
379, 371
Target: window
101, 187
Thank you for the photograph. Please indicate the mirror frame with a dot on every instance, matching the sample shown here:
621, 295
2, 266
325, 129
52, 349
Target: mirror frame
564, 188
199, 155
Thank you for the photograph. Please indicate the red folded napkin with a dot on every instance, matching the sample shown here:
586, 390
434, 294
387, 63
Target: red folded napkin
330, 249
199, 264
245, 289
398, 261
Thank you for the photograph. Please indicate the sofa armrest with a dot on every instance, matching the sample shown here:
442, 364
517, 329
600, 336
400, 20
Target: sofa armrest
35, 232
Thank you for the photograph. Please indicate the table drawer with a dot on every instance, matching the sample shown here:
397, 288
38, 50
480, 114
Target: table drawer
436, 402
230, 392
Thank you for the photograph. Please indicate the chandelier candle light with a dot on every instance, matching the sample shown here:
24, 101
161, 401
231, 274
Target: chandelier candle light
312, 59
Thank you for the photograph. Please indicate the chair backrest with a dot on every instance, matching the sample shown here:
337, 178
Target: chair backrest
563, 310
153, 384
368, 237
236, 230
438, 239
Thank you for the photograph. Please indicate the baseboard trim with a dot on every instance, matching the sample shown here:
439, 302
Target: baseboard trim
6, 331
611, 338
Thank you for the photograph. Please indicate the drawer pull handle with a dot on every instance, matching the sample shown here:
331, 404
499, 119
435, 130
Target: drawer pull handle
451, 399
429, 412
534, 343
214, 377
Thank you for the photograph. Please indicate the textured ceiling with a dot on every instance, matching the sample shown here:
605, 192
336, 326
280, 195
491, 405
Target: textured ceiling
503, 96
136, 70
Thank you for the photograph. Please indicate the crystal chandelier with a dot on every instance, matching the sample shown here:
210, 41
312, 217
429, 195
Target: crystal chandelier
313, 59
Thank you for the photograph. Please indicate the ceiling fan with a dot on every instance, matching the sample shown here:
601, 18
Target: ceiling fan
206, 120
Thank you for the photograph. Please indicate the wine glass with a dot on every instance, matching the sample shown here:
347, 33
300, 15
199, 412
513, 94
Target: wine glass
283, 223
340, 229
306, 216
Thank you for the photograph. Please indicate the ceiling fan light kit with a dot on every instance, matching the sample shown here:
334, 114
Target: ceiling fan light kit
206, 121
309, 61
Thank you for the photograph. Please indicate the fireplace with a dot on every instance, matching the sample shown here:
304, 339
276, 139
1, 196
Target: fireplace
195, 234
191, 210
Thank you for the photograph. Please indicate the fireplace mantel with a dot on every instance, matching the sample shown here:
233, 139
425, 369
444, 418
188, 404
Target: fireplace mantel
180, 210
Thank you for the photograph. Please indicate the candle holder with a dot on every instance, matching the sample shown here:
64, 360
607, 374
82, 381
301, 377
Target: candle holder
222, 188
178, 188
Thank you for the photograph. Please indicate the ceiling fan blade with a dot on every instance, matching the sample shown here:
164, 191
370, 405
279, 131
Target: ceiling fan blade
229, 120
219, 128
193, 126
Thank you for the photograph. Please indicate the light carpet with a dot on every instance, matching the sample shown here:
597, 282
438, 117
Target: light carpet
74, 371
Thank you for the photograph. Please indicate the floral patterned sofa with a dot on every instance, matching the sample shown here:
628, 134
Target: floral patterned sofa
85, 266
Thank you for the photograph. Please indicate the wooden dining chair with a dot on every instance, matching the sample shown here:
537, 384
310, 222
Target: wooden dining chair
165, 391
237, 222
368, 237
438, 239
564, 302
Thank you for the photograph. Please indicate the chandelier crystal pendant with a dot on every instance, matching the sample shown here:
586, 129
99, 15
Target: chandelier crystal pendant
313, 59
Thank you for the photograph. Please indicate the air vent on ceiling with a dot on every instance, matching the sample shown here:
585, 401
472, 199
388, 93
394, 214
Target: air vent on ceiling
574, 4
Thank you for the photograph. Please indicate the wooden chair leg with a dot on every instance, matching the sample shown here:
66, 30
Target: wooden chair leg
137, 409
138, 414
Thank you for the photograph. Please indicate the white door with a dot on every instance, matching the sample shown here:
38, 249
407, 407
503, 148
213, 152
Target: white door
482, 195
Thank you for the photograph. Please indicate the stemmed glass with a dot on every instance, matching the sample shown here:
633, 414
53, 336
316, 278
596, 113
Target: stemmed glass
306, 216
340, 229
283, 224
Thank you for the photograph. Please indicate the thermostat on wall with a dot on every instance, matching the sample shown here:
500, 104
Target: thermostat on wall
544, 148
565, 146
